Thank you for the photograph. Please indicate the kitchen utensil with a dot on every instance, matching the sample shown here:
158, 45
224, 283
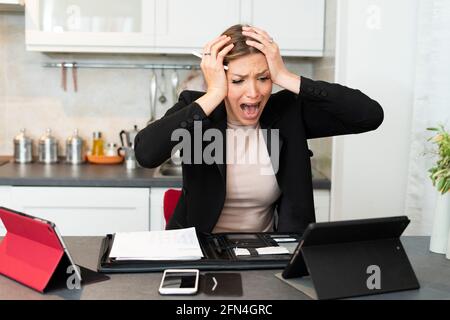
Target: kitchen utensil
48, 148
127, 137
63, 76
23, 148
75, 149
130, 158
162, 98
174, 81
75, 76
153, 85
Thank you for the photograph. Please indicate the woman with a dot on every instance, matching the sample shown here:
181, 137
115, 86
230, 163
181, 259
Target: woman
226, 195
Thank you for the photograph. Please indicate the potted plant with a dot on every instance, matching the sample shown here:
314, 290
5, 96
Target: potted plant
440, 177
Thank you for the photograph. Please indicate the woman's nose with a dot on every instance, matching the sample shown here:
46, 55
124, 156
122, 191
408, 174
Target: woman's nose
252, 90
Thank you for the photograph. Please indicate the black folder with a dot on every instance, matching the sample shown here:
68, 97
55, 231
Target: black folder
218, 251
351, 258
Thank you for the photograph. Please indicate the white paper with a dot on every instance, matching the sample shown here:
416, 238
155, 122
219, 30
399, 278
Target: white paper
272, 250
179, 244
241, 252
285, 239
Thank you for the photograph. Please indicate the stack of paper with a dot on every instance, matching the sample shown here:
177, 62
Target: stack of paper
180, 244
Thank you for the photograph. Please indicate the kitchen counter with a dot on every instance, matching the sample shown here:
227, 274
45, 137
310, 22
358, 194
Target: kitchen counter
84, 175
432, 271
94, 175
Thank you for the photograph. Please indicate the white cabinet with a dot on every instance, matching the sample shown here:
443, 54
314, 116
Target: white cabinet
90, 26
5, 201
168, 26
11, 5
183, 26
296, 25
85, 211
157, 221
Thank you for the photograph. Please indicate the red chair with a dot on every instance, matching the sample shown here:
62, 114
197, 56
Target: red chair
170, 201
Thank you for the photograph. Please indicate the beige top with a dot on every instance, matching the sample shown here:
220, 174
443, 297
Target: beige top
251, 186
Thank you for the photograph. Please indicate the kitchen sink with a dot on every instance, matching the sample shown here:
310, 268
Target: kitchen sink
168, 169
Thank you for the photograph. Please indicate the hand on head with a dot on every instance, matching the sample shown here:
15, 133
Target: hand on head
212, 65
265, 43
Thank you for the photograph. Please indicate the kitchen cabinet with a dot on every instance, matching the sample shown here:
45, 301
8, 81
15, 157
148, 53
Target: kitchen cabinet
297, 26
11, 5
83, 211
157, 221
183, 26
168, 26
5, 201
90, 26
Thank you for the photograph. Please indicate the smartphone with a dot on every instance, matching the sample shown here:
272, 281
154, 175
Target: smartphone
179, 281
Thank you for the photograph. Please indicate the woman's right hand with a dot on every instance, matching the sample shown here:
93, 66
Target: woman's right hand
214, 73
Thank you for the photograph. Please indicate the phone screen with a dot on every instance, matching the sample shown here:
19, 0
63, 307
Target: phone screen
175, 280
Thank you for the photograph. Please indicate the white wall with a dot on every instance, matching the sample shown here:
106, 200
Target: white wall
375, 53
324, 69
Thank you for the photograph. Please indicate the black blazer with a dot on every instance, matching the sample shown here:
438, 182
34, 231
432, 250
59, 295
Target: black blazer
321, 109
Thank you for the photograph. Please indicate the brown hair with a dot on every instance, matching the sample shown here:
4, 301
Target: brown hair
240, 48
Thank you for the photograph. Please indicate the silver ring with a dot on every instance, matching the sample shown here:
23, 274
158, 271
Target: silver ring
271, 40
207, 54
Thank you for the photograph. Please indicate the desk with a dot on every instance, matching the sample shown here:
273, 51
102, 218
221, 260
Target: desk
432, 270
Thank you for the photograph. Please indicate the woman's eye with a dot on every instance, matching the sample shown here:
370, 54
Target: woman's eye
236, 81
264, 78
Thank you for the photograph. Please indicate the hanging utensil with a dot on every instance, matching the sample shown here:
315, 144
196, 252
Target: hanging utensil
75, 76
63, 76
153, 85
174, 81
162, 98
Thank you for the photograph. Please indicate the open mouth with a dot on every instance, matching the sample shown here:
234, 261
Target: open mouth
250, 110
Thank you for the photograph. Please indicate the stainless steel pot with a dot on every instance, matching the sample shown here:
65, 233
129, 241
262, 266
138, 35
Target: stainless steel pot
75, 149
48, 148
23, 148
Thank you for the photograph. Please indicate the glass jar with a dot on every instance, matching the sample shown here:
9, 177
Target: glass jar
97, 144
111, 149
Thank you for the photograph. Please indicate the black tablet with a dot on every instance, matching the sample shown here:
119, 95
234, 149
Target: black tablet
339, 232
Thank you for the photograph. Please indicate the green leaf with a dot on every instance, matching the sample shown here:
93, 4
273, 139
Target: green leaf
446, 186
440, 184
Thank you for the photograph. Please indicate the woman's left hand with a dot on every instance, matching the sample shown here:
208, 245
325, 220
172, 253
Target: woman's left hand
278, 72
